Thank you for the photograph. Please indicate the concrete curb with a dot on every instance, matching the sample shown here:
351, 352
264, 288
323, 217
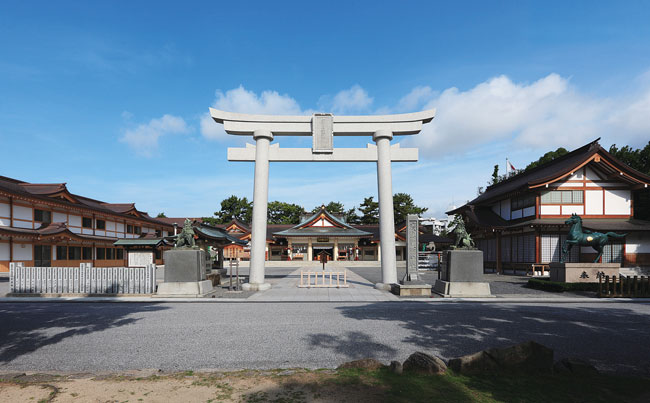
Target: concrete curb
493, 300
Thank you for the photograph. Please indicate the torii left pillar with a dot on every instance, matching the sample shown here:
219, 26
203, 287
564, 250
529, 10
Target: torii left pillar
260, 206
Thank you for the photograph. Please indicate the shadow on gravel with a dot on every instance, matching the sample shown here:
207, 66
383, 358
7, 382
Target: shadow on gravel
614, 338
49, 323
354, 345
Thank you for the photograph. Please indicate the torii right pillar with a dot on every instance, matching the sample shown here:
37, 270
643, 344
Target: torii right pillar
386, 215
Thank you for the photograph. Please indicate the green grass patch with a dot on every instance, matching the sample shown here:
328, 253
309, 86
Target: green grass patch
452, 387
554, 286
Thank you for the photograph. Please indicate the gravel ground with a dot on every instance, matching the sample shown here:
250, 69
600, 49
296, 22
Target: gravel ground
191, 336
499, 284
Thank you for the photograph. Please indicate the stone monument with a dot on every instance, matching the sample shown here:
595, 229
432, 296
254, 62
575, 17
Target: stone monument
411, 285
584, 272
185, 268
462, 272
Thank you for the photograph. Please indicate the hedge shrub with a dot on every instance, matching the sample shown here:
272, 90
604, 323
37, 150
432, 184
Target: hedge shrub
554, 286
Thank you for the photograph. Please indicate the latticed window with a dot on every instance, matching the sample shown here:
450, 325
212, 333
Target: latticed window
562, 197
613, 252
552, 249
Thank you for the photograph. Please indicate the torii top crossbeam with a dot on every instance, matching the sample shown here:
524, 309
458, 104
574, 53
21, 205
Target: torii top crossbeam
247, 124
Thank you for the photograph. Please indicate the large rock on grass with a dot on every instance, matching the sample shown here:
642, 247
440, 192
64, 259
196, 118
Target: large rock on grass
424, 364
365, 363
528, 357
575, 366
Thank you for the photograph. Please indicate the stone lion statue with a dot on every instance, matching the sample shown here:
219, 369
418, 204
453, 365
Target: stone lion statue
186, 237
463, 239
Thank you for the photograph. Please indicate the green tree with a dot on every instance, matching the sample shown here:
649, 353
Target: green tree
495, 175
549, 156
234, 208
403, 205
369, 211
284, 213
332, 207
351, 216
161, 215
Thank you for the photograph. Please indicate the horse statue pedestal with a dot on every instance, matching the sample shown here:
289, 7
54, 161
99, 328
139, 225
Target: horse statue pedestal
462, 275
185, 274
582, 272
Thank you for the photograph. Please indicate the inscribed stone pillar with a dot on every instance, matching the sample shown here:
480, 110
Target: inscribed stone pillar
386, 216
260, 203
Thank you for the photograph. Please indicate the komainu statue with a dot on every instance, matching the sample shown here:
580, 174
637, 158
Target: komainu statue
580, 237
186, 237
463, 239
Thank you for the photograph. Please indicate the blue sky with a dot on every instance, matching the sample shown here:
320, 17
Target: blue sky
112, 97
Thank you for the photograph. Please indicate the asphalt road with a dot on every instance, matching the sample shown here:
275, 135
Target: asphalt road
190, 336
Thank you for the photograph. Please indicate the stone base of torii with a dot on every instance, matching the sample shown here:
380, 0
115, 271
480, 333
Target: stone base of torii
322, 128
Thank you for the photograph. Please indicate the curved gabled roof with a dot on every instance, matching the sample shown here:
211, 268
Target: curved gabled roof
337, 227
559, 169
58, 193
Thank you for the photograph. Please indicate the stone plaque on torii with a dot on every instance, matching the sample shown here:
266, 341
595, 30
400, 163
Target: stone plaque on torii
322, 128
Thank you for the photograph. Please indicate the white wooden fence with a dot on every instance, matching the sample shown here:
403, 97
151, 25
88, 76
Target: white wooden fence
323, 279
84, 279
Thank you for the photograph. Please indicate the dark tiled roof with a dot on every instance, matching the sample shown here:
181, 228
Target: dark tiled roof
43, 190
178, 220
51, 230
550, 171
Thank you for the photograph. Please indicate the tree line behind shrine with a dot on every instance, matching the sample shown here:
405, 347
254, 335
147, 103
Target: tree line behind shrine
280, 212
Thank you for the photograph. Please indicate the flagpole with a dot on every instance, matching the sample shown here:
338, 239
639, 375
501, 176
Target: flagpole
507, 166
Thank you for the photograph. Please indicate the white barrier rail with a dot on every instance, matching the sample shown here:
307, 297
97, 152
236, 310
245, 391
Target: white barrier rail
323, 279
84, 279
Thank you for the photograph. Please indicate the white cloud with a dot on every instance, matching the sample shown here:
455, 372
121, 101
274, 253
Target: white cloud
144, 138
350, 101
541, 115
244, 101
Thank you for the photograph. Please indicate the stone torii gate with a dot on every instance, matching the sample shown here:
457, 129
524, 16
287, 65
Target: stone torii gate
322, 128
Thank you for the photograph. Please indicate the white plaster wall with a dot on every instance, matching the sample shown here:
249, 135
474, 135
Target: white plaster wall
516, 214
570, 209
549, 210
5, 221
119, 235
4, 251
576, 176
4, 210
637, 243
22, 224
528, 211
110, 225
505, 209
617, 202
75, 230
567, 184
594, 202
74, 220
23, 213
120, 227
86, 231
591, 175
100, 232
22, 251
110, 233
592, 185
59, 217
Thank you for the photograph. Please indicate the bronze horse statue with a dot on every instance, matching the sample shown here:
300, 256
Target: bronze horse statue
580, 237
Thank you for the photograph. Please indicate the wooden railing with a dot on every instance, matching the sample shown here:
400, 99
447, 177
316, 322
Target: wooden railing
626, 286
323, 279
84, 279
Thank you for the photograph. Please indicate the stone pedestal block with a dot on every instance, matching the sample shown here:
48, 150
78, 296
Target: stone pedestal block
582, 272
412, 289
462, 275
187, 289
185, 265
